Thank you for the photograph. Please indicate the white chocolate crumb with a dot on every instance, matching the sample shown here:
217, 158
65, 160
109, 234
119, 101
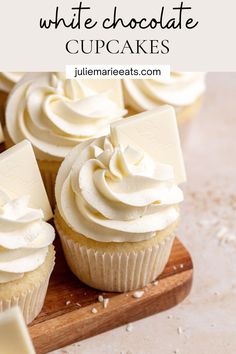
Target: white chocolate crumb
105, 303
78, 304
100, 298
129, 327
181, 265
94, 310
155, 283
127, 294
221, 232
68, 302
179, 330
174, 267
138, 294
225, 236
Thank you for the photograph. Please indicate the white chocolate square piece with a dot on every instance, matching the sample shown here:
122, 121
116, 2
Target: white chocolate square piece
156, 133
110, 85
20, 175
1, 134
14, 335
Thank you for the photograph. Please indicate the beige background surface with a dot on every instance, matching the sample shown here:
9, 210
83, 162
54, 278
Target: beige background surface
205, 323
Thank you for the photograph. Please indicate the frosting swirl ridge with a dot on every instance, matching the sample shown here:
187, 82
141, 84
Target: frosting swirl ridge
116, 194
180, 90
55, 114
9, 79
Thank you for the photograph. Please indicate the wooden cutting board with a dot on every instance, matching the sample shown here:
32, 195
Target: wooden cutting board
66, 316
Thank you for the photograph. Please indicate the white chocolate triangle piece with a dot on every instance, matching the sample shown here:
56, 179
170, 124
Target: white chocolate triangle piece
156, 133
14, 335
20, 175
1, 134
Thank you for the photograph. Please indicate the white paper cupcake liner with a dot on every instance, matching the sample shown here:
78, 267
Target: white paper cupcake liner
116, 271
30, 302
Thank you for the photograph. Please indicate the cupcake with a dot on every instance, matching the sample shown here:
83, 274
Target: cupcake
7, 82
26, 256
56, 114
117, 211
183, 90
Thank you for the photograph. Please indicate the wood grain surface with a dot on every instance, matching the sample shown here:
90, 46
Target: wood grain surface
2, 147
66, 316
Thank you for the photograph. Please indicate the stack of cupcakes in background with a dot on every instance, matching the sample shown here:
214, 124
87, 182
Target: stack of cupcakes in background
183, 90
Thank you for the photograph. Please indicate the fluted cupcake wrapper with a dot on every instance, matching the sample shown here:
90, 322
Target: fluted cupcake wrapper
30, 302
116, 271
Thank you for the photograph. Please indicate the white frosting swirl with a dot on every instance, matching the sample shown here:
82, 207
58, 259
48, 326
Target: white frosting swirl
116, 194
8, 80
180, 90
24, 238
56, 114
